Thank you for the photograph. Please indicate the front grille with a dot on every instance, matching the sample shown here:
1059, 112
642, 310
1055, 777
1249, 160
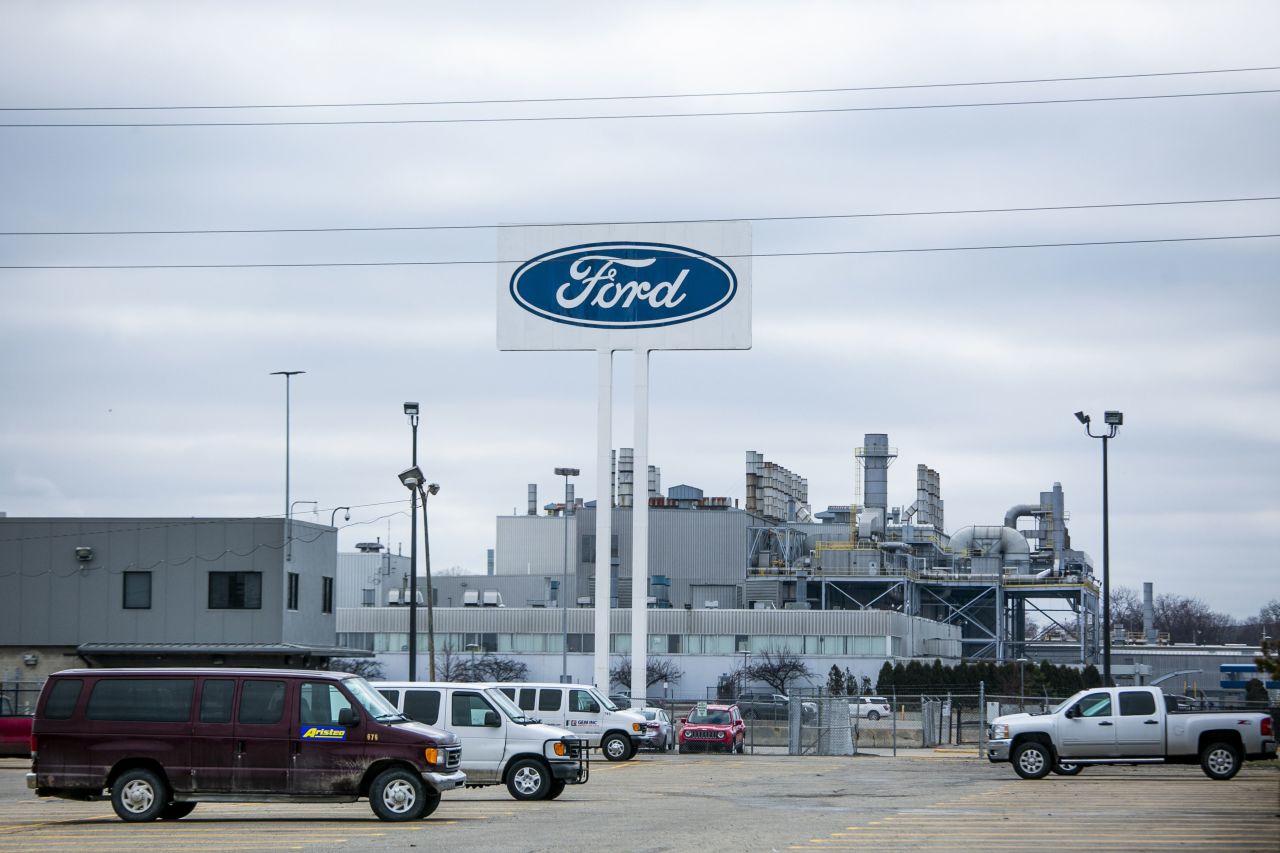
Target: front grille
702, 735
453, 757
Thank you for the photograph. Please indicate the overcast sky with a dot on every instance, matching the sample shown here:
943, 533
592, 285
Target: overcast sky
146, 392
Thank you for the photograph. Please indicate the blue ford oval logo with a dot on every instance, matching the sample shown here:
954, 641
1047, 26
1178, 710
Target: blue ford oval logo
623, 285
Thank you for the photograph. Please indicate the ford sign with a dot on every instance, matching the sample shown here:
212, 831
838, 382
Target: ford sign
623, 285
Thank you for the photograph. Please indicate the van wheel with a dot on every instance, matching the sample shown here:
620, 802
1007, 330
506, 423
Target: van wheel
177, 811
1031, 760
557, 788
1066, 768
431, 803
615, 747
1220, 761
528, 779
139, 795
873, 715
398, 794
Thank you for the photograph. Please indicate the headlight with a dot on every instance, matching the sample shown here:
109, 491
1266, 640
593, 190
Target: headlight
431, 754
1000, 731
558, 748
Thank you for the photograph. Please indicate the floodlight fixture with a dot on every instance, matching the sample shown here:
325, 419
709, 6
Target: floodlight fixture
1082, 418
411, 408
1113, 418
411, 477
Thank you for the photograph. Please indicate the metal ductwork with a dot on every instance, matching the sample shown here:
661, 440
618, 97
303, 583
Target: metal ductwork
533, 499
1020, 511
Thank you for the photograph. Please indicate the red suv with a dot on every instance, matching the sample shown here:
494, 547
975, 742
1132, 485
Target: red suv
713, 727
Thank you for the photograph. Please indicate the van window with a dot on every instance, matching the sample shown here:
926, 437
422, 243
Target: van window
261, 702
469, 709
1136, 703
392, 696
152, 700
580, 702
422, 706
215, 700
319, 704
549, 699
528, 698
63, 698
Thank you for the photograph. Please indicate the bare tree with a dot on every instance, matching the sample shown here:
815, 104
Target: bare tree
776, 668
656, 669
363, 667
493, 668
451, 666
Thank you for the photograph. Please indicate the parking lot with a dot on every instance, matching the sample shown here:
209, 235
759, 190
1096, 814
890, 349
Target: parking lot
919, 800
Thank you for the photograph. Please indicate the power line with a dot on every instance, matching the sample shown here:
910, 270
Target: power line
795, 218
313, 264
510, 119
597, 98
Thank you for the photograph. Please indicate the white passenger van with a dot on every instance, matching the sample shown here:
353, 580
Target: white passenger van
583, 710
501, 745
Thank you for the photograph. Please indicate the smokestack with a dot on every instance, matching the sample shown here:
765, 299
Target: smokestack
1149, 614
626, 476
655, 481
876, 457
923, 514
533, 499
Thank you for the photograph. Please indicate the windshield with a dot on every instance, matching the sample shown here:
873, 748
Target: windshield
650, 713
373, 701
713, 718
504, 703
603, 700
1064, 704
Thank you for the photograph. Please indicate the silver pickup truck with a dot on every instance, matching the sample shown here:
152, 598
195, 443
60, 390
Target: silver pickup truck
1128, 725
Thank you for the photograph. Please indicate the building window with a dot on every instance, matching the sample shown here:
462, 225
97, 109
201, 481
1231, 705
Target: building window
293, 591
368, 597
588, 547
326, 602
235, 590
137, 590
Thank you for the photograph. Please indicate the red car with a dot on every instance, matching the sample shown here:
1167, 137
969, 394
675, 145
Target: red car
713, 728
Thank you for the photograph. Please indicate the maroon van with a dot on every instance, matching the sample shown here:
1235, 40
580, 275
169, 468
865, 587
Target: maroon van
159, 741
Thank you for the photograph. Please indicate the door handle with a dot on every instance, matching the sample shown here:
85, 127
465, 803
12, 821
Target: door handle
1152, 723
1105, 723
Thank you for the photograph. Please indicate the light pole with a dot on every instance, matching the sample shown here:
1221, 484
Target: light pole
288, 376
1113, 420
430, 489
564, 579
1022, 685
473, 648
411, 410
288, 555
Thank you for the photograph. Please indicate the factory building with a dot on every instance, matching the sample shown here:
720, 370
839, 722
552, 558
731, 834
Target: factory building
968, 594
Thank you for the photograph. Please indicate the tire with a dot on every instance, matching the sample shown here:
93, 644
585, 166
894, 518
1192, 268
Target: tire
615, 747
1067, 768
742, 746
177, 811
529, 779
557, 788
1032, 760
665, 745
873, 715
139, 795
398, 795
430, 805
1220, 760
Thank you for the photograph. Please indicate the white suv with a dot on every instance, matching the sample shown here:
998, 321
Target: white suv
871, 707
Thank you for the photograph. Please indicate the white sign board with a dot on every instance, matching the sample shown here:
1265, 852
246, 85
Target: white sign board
625, 287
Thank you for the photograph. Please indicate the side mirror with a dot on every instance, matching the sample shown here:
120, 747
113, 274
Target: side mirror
348, 717
684, 721
1070, 713
491, 719
593, 708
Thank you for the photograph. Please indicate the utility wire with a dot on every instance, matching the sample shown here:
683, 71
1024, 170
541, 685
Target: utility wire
752, 255
509, 119
596, 98
796, 218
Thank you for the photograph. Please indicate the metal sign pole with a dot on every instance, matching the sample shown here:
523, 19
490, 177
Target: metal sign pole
640, 535
604, 514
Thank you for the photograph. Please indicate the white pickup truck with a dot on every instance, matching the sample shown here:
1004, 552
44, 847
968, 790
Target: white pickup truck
1128, 725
